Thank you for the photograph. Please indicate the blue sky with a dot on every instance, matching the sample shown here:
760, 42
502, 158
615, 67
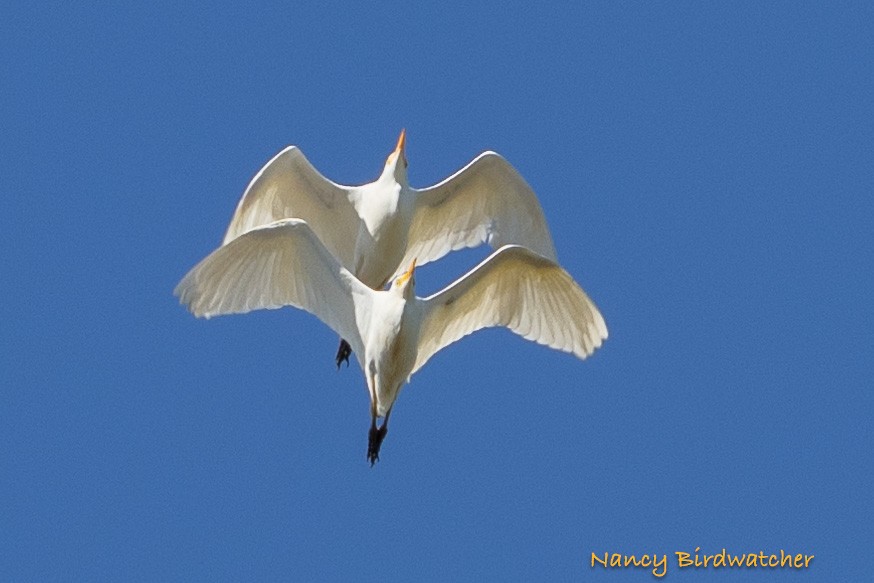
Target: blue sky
707, 175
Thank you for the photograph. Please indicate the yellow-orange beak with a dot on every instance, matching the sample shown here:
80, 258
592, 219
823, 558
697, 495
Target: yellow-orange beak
401, 139
407, 275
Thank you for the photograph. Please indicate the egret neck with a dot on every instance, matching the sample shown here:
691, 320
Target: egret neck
386, 209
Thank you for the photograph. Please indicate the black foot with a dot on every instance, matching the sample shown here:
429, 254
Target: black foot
374, 442
343, 353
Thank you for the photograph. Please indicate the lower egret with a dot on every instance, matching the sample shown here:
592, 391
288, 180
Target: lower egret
392, 332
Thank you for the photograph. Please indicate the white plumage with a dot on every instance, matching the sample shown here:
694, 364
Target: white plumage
376, 229
392, 332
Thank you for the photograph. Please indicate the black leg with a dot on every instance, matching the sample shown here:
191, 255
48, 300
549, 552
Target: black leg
343, 353
375, 437
374, 441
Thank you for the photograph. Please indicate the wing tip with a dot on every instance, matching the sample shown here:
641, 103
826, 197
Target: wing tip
286, 151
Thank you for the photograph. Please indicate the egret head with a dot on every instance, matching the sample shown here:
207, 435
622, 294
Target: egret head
406, 282
396, 163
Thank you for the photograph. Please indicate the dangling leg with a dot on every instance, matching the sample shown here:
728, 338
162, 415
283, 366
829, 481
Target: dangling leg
343, 353
376, 435
374, 441
384, 429
372, 449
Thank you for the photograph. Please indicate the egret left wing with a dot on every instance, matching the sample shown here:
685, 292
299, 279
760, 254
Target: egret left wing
517, 289
487, 201
288, 186
279, 264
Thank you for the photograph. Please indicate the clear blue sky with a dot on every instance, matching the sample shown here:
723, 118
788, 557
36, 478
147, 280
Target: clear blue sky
707, 174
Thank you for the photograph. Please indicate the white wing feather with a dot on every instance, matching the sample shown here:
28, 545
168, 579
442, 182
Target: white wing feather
487, 201
288, 186
280, 264
518, 289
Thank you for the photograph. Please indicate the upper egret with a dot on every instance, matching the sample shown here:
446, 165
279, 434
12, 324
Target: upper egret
392, 332
375, 229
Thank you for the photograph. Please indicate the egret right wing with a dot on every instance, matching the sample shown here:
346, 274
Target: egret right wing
520, 290
275, 265
487, 201
288, 186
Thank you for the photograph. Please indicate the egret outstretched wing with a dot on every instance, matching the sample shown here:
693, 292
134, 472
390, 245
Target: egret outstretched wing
279, 264
518, 289
487, 201
288, 186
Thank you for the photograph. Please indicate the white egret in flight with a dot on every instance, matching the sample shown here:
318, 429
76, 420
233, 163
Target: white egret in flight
392, 332
376, 229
